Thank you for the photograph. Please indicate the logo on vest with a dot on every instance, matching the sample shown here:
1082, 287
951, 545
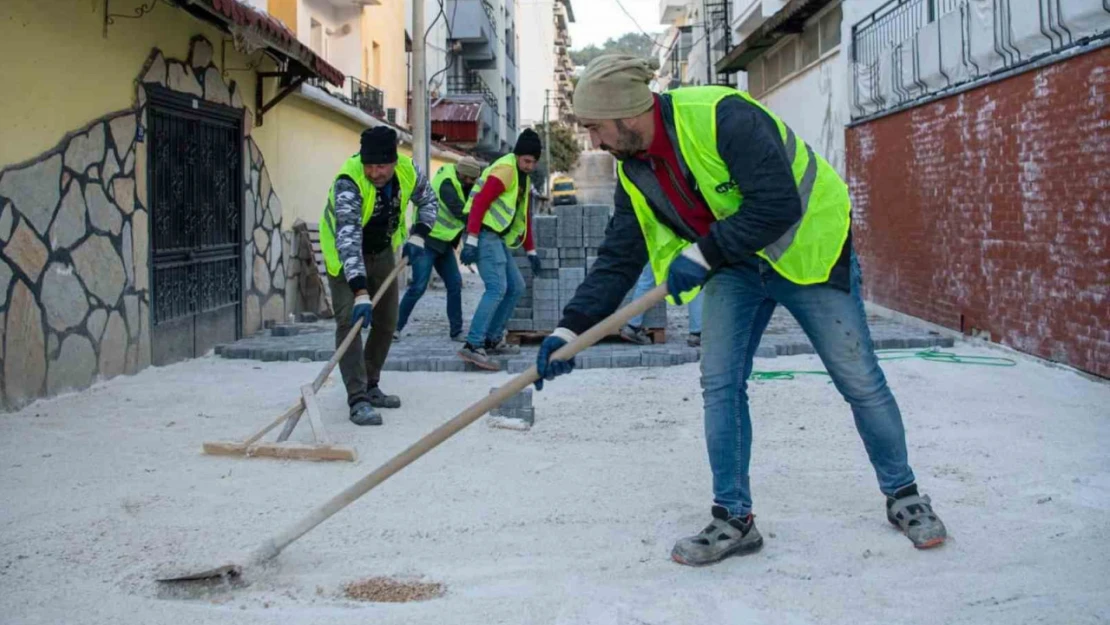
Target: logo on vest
725, 187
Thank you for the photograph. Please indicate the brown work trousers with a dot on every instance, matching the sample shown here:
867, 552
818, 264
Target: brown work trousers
361, 366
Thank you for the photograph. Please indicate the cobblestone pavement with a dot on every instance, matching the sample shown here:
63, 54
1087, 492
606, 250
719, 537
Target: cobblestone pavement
425, 345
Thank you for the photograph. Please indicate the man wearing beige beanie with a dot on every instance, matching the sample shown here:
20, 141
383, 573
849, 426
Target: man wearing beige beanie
452, 185
717, 194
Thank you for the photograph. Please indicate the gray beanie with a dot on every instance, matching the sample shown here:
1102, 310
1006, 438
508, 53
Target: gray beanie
469, 167
615, 86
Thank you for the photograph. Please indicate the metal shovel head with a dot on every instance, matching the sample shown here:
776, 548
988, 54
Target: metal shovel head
226, 571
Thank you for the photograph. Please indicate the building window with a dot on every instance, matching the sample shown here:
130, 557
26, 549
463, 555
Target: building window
796, 54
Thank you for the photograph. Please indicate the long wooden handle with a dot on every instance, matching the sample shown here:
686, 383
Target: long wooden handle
272, 547
293, 415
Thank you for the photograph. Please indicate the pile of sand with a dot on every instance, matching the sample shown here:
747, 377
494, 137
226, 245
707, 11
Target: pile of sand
389, 590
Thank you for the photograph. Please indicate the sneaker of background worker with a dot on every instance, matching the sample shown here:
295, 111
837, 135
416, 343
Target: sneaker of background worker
717, 193
497, 221
634, 331
452, 185
362, 228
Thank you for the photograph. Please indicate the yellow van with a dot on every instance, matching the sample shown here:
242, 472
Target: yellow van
563, 191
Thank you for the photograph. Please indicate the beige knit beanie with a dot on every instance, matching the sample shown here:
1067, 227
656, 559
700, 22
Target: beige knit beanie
615, 86
469, 167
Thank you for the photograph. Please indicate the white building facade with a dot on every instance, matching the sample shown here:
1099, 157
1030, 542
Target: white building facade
546, 57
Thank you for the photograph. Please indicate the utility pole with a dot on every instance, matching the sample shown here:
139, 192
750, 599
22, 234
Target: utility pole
547, 140
419, 119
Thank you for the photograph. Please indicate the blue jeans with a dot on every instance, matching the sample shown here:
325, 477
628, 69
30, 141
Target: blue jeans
504, 287
739, 301
646, 283
447, 266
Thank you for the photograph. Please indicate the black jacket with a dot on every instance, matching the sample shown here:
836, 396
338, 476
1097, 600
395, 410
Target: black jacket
748, 142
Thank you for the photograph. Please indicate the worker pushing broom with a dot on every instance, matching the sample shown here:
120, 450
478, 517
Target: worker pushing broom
720, 196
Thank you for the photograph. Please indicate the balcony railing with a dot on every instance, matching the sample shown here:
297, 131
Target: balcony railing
907, 52
472, 83
356, 93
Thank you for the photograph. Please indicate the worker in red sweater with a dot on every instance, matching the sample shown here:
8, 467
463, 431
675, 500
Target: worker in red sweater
497, 222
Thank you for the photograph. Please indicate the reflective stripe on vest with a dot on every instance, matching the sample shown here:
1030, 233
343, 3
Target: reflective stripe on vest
352, 168
447, 225
807, 252
503, 215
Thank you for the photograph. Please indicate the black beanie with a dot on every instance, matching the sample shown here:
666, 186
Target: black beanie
528, 144
379, 146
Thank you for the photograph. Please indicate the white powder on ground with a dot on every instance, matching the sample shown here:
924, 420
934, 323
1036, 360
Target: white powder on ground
573, 523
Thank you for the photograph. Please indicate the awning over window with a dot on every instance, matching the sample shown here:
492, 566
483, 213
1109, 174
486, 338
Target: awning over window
789, 21
254, 28
457, 121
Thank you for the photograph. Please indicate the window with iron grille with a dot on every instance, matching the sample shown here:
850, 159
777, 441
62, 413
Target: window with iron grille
391, 115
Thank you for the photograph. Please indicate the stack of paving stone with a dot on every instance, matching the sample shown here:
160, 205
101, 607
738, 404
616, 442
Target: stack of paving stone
518, 406
567, 245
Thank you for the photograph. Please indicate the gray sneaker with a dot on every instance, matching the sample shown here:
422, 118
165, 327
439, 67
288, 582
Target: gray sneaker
502, 348
459, 338
478, 357
725, 536
636, 335
362, 413
914, 515
694, 340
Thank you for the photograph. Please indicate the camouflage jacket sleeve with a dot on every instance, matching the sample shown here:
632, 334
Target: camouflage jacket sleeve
348, 232
424, 197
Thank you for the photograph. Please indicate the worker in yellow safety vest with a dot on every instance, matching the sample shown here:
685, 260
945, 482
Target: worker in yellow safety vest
362, 229
719, 196
452, 185
498, 221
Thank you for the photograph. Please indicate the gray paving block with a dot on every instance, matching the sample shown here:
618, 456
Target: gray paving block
236, 352
303, 352
766, 351
393, 364
520, 325
656, 358
324, 355
419, 364
595, 361
571, 252
573, 263
572, 274
450, 363
624, 359
519, 366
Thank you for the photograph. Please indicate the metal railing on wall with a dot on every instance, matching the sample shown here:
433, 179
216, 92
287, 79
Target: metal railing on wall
910, 51
356, 93
472, 83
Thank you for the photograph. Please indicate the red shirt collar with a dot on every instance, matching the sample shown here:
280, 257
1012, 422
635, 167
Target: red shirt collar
661, 144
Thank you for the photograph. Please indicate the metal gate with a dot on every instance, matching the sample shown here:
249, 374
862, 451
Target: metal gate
196, 207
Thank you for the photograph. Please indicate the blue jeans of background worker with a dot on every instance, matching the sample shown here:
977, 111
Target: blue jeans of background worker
504, 287
447, 266
647, 283
739, 302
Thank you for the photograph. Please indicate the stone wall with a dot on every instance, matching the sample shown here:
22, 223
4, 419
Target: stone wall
75, 294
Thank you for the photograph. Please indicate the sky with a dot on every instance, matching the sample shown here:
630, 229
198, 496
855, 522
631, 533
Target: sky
597, 20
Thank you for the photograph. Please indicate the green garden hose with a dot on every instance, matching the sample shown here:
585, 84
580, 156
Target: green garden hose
932, 354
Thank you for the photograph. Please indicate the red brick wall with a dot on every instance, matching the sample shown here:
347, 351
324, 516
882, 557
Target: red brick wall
990, 210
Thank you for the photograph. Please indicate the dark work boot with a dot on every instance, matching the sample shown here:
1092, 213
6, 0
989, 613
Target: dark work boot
362, 413
379, 399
